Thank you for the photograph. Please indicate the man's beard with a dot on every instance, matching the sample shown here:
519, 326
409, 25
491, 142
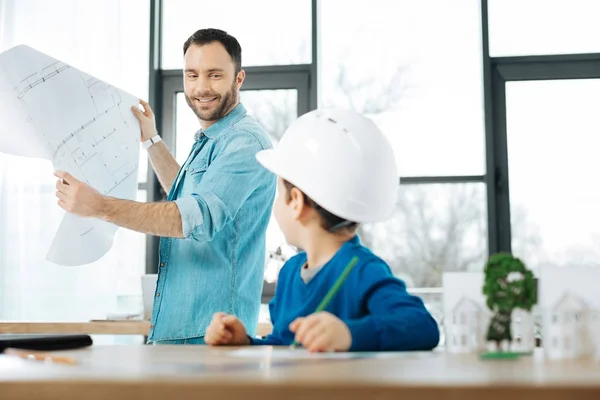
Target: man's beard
225, 105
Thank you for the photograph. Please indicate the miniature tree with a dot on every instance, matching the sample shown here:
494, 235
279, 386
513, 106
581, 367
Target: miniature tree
508, 285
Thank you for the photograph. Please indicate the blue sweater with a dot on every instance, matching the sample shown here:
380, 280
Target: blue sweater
374, 304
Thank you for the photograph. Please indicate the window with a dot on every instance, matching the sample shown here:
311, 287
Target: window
107, 39
421, 81
436, 228
552, 152
535, 27
265, 40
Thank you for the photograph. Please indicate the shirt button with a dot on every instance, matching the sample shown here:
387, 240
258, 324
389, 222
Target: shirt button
157, 294
192, 170
162, 264
151, 326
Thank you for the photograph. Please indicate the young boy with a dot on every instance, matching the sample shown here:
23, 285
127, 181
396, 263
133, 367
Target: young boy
336, 170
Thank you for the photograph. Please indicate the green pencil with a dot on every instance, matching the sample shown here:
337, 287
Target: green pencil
334, 289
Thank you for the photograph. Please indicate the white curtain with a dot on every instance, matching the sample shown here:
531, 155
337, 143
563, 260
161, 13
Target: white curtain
108, 39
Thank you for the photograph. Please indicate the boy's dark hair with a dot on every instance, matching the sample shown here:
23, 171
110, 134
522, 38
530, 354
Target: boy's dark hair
209, 35
329, 221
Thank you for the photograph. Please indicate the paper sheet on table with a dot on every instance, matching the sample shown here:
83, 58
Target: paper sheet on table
83, 125
297, 354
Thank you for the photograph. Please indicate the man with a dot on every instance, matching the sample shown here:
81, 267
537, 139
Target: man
213, 226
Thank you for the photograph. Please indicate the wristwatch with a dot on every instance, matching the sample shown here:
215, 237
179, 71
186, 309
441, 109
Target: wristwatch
152, 141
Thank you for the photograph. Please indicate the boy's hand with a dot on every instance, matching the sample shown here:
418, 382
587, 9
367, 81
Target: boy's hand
226, 329
322, 332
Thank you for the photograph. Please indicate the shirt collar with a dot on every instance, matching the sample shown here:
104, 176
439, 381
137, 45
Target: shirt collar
224, 123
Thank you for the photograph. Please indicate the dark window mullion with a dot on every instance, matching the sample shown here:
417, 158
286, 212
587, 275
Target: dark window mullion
416, 180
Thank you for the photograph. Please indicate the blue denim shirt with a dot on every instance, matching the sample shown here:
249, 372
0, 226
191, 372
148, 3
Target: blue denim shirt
225, 198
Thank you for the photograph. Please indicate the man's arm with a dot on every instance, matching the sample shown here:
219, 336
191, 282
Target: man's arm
164, 164
226, 185
158, 219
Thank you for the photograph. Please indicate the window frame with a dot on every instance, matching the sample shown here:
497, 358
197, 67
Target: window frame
496, 72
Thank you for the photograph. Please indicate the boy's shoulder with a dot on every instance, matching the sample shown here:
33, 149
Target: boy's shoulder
365, 255
293, 263
370, 266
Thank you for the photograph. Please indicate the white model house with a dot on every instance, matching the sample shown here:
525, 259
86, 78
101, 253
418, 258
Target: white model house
567, 328
465, 327
595, 332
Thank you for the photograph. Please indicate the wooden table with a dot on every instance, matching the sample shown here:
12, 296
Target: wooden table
201, 372
93, 328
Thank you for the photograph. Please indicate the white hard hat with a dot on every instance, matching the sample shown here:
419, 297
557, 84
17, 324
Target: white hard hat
341, 160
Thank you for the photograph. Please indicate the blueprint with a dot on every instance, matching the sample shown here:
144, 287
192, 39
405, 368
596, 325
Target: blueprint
273, 353
83, 126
